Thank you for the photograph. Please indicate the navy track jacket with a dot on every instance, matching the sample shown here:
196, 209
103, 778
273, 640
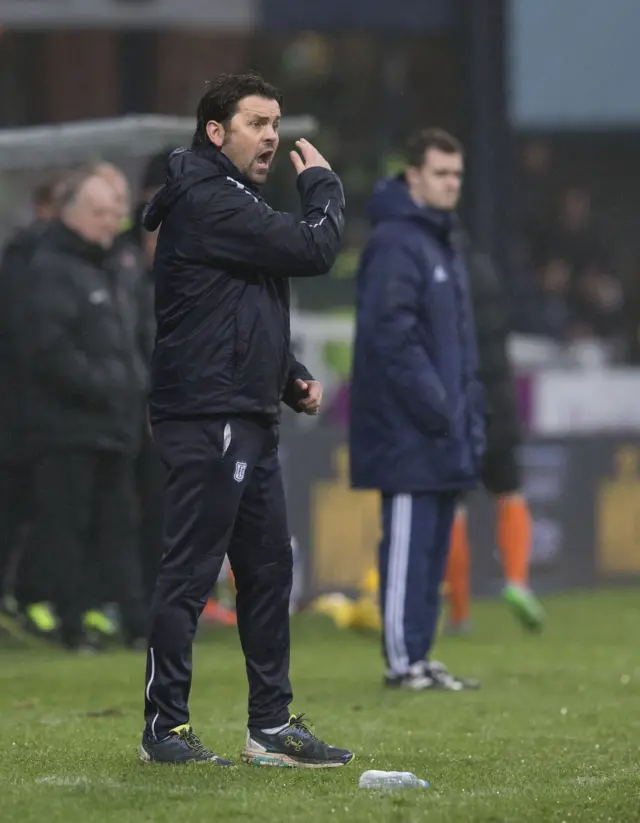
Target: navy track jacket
221, 270
416, 416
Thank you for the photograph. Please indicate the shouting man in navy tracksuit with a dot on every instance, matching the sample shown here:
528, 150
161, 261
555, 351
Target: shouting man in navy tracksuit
417, 423
222, 364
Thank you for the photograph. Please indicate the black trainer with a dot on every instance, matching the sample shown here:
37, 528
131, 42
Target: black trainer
429, 675
295, 747
180, 746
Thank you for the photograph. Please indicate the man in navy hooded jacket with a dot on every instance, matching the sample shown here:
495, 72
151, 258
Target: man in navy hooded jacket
221, 365
417, 423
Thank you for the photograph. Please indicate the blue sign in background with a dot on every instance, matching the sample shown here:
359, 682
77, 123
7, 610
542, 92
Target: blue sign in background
575, 63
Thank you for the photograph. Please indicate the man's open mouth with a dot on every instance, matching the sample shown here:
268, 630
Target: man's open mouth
263, 160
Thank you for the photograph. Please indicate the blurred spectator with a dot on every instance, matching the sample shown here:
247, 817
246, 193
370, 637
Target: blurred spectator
537, 189
120, 187
149, 468
598, 302
500, 467
16, 461
576, 237
555, 281
86, 383
132, 241
573, 295
46, 197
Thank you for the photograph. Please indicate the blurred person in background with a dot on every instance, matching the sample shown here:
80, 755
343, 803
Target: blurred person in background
500, 471
86, 383
599, 301
576, 236
112, 175
556, 308
538, 178
416, 416
537, 191
26, 599
149, 469
134, 243
579, 304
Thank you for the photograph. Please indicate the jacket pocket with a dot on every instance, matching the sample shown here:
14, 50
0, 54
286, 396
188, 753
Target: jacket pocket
219, 434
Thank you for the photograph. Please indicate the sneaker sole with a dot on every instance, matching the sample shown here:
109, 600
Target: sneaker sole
145, 757
465, 686
261, 758
408, 686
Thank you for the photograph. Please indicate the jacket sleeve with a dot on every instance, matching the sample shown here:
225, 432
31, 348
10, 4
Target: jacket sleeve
240, 228
296, 372
49, 348
395, 287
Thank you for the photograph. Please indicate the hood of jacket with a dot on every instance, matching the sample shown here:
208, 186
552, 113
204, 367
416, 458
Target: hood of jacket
186, 168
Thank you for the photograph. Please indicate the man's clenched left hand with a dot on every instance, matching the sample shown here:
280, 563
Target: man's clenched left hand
312, 395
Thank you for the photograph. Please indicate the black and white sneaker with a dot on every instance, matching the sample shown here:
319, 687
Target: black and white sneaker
429, 675
294, 746
180, 746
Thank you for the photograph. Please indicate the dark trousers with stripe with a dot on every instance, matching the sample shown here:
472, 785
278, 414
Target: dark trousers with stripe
224, 495
412, 557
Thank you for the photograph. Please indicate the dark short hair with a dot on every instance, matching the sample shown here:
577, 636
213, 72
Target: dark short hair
44, 194
222, 95
420, 142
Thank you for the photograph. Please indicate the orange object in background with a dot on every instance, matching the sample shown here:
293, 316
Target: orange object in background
214, 612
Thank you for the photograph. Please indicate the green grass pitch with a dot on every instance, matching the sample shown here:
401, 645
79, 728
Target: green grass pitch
554, 734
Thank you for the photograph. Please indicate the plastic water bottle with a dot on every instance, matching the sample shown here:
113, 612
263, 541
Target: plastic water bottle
391, 780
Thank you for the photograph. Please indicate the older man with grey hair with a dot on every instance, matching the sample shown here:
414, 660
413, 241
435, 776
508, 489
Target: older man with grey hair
86, 384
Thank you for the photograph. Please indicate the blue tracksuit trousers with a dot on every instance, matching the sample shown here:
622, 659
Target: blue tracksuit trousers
412, 557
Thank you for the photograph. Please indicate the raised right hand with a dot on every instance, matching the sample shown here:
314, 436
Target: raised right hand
311, 157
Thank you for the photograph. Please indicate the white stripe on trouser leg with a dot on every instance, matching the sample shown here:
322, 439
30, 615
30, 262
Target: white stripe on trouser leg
151, 676
397, 583
397, 567
395, 530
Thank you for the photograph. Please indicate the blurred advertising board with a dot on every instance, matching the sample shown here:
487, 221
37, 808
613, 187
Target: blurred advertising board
584, 495
583, 402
